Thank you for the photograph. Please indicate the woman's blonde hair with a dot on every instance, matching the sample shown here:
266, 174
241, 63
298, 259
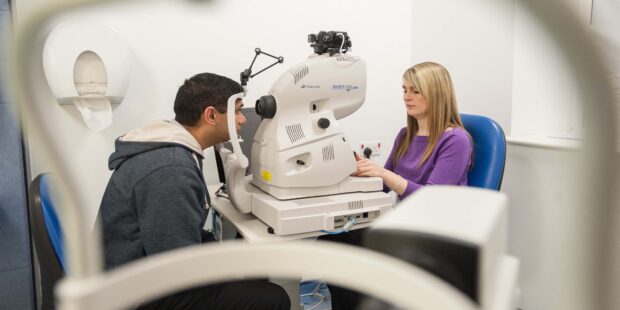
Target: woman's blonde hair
433, 82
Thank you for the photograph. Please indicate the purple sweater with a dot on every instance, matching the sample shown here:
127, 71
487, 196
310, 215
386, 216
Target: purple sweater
448, 164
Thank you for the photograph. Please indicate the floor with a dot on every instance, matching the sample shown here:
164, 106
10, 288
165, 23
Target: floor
315, 295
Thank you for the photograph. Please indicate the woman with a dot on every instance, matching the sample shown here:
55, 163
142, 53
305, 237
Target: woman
434, 148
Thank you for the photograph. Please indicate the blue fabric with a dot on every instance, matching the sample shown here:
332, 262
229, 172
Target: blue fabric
52, 225
315, 295
487, 170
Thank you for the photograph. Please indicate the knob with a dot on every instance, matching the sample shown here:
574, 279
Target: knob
323, 123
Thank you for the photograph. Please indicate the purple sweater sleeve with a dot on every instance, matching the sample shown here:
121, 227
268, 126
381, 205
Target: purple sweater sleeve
447, 164
451, 159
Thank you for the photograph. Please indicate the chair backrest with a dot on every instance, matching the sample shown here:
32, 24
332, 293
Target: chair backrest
489, 140
47, 238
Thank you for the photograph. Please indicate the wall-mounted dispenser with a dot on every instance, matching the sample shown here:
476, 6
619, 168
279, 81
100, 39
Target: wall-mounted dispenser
89, 65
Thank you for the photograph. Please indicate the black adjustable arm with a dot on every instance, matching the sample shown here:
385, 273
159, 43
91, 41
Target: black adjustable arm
247, 73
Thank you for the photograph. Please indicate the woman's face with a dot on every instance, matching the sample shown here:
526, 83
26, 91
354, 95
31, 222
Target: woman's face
416, 104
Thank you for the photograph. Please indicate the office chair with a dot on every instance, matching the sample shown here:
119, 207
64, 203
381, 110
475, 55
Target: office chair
487, 169
47, 238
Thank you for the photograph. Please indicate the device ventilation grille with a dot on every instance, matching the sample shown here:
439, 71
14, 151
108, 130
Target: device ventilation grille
328, 153
356, 205
295, 132
299, 73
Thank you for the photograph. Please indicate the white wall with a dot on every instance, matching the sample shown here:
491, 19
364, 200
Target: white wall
474, 41
605, 25
544, 97
172, 41
541, 102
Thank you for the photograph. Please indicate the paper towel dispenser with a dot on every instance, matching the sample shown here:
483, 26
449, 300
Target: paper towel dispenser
89, 75
87, 64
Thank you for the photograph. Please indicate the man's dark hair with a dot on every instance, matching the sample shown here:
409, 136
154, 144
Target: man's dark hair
201, 91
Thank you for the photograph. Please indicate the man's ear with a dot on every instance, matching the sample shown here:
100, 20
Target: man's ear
209, 115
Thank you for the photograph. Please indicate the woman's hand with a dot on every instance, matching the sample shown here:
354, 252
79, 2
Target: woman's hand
367, 168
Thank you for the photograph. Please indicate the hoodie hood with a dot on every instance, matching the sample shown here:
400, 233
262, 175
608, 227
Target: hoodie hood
155, 135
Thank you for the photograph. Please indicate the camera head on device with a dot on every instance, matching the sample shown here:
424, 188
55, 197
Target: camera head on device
331, 42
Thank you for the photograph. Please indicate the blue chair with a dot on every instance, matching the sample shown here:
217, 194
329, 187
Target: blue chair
489, 140
47, 238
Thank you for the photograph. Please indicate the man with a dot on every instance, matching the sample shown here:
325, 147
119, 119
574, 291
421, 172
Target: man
156, 198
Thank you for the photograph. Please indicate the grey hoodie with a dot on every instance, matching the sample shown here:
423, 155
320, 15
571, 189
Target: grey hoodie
155, 200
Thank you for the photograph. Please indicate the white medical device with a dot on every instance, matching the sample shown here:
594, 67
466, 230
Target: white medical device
301, 160
460, 234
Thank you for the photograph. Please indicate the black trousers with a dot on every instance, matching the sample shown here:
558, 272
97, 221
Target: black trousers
250, 294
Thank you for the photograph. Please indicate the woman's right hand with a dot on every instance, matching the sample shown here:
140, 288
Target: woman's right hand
367, 168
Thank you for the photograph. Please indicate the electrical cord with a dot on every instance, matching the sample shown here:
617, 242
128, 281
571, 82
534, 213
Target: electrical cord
341, 43
343, 51
317, 304
222, 192
214, 216
315, 293
216, 220
344, 229
219, 229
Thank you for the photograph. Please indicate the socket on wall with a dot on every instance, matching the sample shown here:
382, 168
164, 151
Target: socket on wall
373, 145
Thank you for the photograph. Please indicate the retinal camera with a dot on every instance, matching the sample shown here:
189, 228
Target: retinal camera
330, 42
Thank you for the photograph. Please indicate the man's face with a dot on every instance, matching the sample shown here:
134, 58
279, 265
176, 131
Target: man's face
239, 120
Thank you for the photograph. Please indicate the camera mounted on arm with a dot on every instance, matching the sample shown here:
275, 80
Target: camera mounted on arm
332, 42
